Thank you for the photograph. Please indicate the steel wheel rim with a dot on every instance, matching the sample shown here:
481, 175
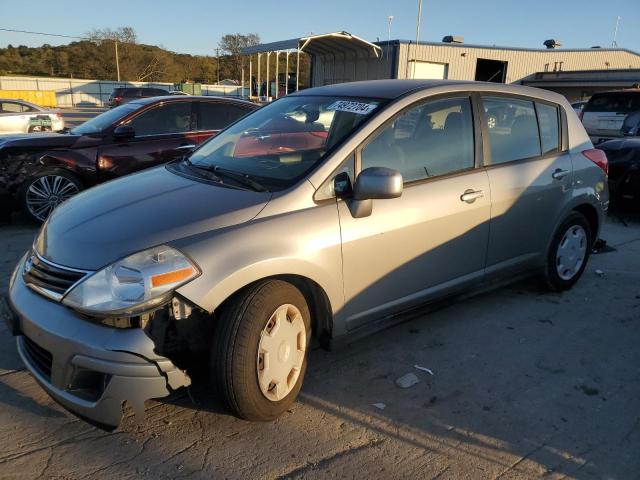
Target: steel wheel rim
47, 192
571, 252
281, 351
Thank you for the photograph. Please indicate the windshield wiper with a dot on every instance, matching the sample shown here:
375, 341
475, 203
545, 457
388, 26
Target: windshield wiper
241, 178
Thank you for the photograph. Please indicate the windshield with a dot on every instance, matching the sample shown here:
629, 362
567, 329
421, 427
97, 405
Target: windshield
104, 120
280, 143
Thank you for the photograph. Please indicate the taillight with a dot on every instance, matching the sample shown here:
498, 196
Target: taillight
599, 158
117, 99
581, 115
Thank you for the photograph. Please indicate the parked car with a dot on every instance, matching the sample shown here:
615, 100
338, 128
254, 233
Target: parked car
42, 171
178, 92
579, 106
604, 114
123, 95
623, 155
19, 116
238, 261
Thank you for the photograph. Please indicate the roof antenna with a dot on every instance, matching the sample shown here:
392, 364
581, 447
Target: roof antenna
614, 44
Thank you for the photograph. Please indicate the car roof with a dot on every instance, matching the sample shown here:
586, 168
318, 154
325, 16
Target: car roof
393, 89
190, 98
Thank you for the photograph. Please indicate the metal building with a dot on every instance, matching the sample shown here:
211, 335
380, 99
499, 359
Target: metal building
342, 57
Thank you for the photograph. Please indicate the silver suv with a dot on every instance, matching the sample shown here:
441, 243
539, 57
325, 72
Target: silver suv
321, 215
604, 114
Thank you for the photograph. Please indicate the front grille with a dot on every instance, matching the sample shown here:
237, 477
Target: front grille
40, 358
48, 276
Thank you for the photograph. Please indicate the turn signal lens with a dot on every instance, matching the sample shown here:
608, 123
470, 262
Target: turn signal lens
172, 277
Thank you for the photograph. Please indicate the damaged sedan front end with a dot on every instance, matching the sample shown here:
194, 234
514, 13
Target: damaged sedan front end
93, 365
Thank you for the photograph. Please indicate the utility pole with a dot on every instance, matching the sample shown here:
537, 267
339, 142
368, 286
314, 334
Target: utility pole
115, 42
218, 67
614, 44
389, 20
415, 48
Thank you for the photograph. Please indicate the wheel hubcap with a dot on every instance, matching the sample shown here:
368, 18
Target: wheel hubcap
281, 351
571, 252
46, 193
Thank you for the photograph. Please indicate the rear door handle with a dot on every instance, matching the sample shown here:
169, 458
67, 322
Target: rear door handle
189, 146
559, 174
470, 196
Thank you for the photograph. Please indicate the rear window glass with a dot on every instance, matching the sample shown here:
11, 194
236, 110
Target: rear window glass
549, 127
216, 116
617, 102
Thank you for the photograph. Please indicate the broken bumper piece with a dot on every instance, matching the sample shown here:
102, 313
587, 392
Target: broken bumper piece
90, 369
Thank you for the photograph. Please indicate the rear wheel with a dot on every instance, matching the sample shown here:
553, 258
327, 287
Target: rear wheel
568, 253
43, 193
259, 356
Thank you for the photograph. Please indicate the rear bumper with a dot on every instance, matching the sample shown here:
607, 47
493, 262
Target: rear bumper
88, 368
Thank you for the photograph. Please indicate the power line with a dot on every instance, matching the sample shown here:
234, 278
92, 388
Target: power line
115, 41
42, 33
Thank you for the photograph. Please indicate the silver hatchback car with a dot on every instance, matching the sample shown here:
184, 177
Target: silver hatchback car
322, 215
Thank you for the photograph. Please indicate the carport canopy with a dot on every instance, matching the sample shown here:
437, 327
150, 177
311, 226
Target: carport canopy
325, 44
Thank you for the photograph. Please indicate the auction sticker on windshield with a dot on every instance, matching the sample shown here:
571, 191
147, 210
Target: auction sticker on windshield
353, 107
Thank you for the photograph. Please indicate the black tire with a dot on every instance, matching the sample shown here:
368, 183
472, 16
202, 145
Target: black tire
24, 195
551, 276
235, 351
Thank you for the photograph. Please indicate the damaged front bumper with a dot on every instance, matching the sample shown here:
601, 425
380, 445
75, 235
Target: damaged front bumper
89, 368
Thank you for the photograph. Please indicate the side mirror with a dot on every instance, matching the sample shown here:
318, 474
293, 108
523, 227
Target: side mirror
373, 183
378, 183
124, 132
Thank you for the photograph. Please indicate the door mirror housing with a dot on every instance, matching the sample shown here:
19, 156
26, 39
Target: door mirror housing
378, 183
124, 132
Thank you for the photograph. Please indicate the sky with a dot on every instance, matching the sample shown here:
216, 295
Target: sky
195, 27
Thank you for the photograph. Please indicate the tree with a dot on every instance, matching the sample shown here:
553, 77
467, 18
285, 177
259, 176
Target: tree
232, 44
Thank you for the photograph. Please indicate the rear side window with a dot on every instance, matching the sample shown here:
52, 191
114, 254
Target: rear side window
167, 118
513, 129
549, 127
614, 102
216, 116
431, 139
12, 107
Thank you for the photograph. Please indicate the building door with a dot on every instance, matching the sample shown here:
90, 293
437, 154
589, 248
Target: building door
429, 70
491, 71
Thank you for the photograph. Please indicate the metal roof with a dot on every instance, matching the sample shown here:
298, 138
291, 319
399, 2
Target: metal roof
324, 44
498, 47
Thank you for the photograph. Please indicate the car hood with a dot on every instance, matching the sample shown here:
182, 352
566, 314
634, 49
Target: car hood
130, 214
49, 140
620, 143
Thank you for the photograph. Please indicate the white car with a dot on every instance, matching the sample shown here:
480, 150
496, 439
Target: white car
18, 116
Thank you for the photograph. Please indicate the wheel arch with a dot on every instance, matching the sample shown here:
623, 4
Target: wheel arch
317, 300
591, 214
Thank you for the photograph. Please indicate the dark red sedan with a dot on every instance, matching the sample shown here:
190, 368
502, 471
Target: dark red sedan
39, 171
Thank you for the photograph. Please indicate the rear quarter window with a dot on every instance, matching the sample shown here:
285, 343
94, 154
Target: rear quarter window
549, 127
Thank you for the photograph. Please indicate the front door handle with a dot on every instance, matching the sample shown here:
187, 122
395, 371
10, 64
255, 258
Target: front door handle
189, 146
470, 196
559, 174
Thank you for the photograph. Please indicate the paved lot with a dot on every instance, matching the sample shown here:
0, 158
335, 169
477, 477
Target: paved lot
526, 384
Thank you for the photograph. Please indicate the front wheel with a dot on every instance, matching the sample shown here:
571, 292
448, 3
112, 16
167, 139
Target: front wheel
568, 253
42, 194
260, 353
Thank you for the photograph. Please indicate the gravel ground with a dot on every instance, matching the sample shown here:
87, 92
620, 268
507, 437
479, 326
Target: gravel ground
526, 384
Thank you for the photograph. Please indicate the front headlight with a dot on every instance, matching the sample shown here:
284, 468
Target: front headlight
134, 284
